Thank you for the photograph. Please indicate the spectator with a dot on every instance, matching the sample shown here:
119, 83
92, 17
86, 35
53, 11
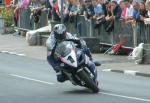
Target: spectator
55, 11
19, 5
129, 10
97, 8
123, 9
136, 13
98, 17
114, 12
47, 9
142, 9
70, 11
36, 8
147, 20
104, 5
108, 8
108, 24
59, 4
89, 10
80, 7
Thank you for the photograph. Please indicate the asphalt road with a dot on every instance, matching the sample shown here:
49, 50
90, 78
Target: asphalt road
28, 80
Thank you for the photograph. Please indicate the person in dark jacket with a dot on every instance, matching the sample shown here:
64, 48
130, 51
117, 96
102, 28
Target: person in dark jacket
89, 9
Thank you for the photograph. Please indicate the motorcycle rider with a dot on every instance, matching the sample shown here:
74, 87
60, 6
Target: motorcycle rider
57, 35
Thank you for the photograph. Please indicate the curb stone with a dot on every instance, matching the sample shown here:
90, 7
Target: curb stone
130, 72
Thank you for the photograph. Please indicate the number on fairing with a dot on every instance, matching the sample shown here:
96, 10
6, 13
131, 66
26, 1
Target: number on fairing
70, 59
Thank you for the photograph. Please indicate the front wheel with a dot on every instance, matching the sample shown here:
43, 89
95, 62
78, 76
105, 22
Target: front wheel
84, 76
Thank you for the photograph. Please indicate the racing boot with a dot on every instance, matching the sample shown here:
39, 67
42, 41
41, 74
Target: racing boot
88, 53
97, 63
61, 77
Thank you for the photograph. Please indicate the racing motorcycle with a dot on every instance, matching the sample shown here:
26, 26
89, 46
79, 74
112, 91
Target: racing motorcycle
73, 62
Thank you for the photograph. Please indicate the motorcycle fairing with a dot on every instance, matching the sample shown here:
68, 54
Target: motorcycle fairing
70, 59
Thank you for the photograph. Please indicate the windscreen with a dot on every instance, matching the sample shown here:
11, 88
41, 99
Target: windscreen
64, 48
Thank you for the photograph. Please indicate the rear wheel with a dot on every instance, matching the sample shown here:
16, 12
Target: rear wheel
89, 82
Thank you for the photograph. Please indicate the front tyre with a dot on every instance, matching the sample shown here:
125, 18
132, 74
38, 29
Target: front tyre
84, 76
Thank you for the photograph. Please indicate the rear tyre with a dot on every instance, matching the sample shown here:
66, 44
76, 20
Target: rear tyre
84, 76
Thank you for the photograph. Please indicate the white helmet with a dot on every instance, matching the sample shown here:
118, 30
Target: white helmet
59, 32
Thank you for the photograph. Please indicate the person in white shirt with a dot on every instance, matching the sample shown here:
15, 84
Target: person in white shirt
129, 10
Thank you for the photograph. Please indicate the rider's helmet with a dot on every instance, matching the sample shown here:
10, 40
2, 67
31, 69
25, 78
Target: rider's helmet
59, 32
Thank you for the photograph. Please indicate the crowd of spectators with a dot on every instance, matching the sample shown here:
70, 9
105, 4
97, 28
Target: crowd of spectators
98, 11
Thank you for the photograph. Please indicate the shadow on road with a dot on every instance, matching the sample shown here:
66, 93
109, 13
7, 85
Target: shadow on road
79, 91
84, 91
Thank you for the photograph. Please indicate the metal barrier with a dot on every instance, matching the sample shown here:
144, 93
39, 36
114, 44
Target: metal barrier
123, 33
143, 33
26, 23
127, 34
24, 19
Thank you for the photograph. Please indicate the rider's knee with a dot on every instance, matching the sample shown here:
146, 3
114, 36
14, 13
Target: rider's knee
91, 65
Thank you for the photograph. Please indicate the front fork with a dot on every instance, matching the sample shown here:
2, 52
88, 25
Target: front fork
88, 72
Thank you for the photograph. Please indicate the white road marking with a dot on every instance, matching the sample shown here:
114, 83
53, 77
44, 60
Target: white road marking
13, 53
106, 70
127, 97
21, 54
131, 72
105, 93
31, 79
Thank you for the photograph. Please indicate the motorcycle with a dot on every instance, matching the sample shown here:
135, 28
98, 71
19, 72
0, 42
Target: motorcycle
74, 65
